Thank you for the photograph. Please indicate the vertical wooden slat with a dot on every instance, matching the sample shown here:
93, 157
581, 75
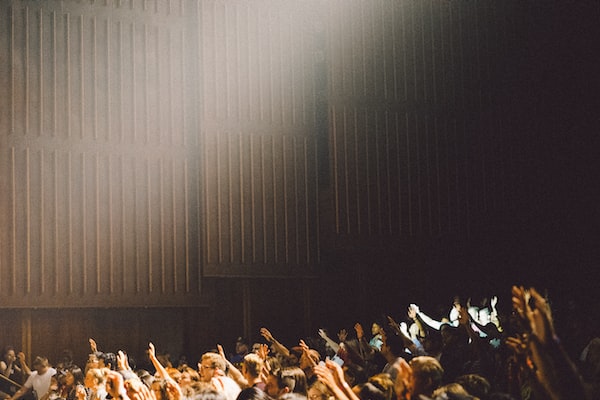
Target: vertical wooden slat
68, 71
13, 172
26, 77
307, 214
120, 76
149, 225
27, 222
54, 77
125, 241
111, 222
219, 200
70, 221
41, 74
253, 199
162, 224
57, 272
285, 199
186, 219
275, 213
263, 200
97, 265
242, 202
336, 186
174, 224
109, 78
345, 170
42, 244
230, 199
81, 77
12, 71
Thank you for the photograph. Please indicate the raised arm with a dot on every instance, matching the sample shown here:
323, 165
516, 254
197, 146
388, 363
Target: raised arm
426, 319
23, 362
554, 370
172, 386
334, 346
232, 370
276, 346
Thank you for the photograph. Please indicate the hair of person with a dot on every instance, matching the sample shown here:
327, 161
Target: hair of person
77, 374
370, 391
451, 391
145, 376
426, 367
164, 394
294, 379
355, 373
253, 393
395, 344
253, 364
321, 387
109, 359
209, 394
500, 396
40, 362
98, 374
215, 360
476, 385
5, 351
314, 355
292, 396
384, 383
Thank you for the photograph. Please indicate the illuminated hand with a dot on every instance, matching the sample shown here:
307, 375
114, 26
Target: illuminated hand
267, 335
221, 351
151, 351
93, 345
122, 362
359, 330
263, 351
342, 335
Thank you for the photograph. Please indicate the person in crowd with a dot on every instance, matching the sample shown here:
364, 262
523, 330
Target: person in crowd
73, 378
241, 350
95, 383
11, 366
212, 368
11, 369
39, 380
286, 380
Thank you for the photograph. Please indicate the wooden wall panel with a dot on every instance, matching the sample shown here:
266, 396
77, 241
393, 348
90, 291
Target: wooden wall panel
259, 137
415, 105
98, 182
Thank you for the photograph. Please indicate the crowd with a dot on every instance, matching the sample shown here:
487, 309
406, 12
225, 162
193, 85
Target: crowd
472, 352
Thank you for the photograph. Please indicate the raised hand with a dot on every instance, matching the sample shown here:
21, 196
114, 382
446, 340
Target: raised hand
80, 392
360, 333
535, 311
393, 324
136, 390
325, 375
323, 334
266, 334
173, 390
93, 345
151, 351
122, 362
221, 351
114, 384
411, 312
342, 335
263, 351
493, 301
